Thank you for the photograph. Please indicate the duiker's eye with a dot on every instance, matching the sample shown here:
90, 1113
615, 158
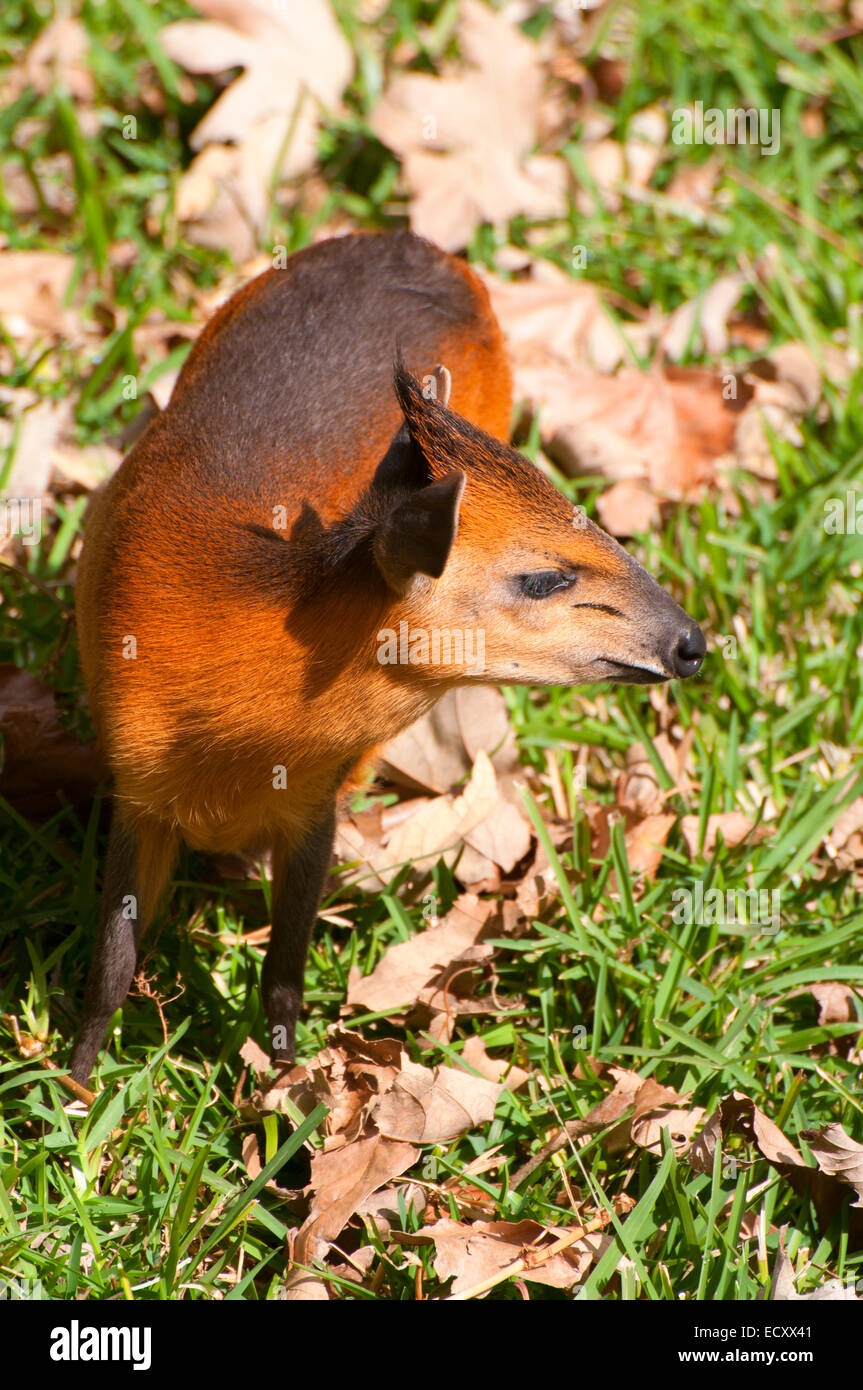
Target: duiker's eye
544, 582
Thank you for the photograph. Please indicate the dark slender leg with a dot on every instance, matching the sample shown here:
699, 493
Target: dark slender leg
298, 880
138, 864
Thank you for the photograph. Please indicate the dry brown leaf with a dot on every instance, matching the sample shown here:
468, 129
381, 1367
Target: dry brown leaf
703, 1147
645, 842
302, 1287
223, 196
382, 1208
426, 1106
438, 751
429, 755
471, 1254
341, 1181
609, 73
18, 190
797, 375
407, 969
39, 429
656, 1109
785, 384
295, 60
652, 1095
606, 164
693, 185
439, 825
346, 1076
734, 826
565, 316
39, 756
33, 289
483, 722
655, 435
59, 55
621, 169
420, 831
702, 323
255, 1057
86, 468
614, 1110
844, 843
667, 429
782, 1286
283, 50
465, 138
503, 837
646, 143
511, 1077
638, 787
836, 1002
627, 1085
838, 1155
375, 1087
839, 1159
627, 508
530, 895
738, 1114
644, 837
743, 1114
372, 1086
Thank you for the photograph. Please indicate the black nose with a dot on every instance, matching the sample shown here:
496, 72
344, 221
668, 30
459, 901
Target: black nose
689, 652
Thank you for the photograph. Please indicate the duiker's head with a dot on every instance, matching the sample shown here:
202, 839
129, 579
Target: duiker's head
495, 576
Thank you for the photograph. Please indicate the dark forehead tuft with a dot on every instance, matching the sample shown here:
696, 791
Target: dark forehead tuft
449, 441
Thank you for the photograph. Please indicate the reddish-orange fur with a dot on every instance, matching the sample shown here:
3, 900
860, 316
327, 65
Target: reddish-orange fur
239, 568
157, 765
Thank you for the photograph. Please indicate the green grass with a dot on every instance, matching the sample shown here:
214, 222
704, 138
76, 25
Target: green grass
147, 1196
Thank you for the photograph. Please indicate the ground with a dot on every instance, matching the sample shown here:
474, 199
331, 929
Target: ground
626, 976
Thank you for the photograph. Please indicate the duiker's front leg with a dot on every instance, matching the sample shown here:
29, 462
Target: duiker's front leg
139, 862
298, 879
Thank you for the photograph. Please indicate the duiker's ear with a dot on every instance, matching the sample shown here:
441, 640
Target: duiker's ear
442, 387
402, 465
417, 535
433, 430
